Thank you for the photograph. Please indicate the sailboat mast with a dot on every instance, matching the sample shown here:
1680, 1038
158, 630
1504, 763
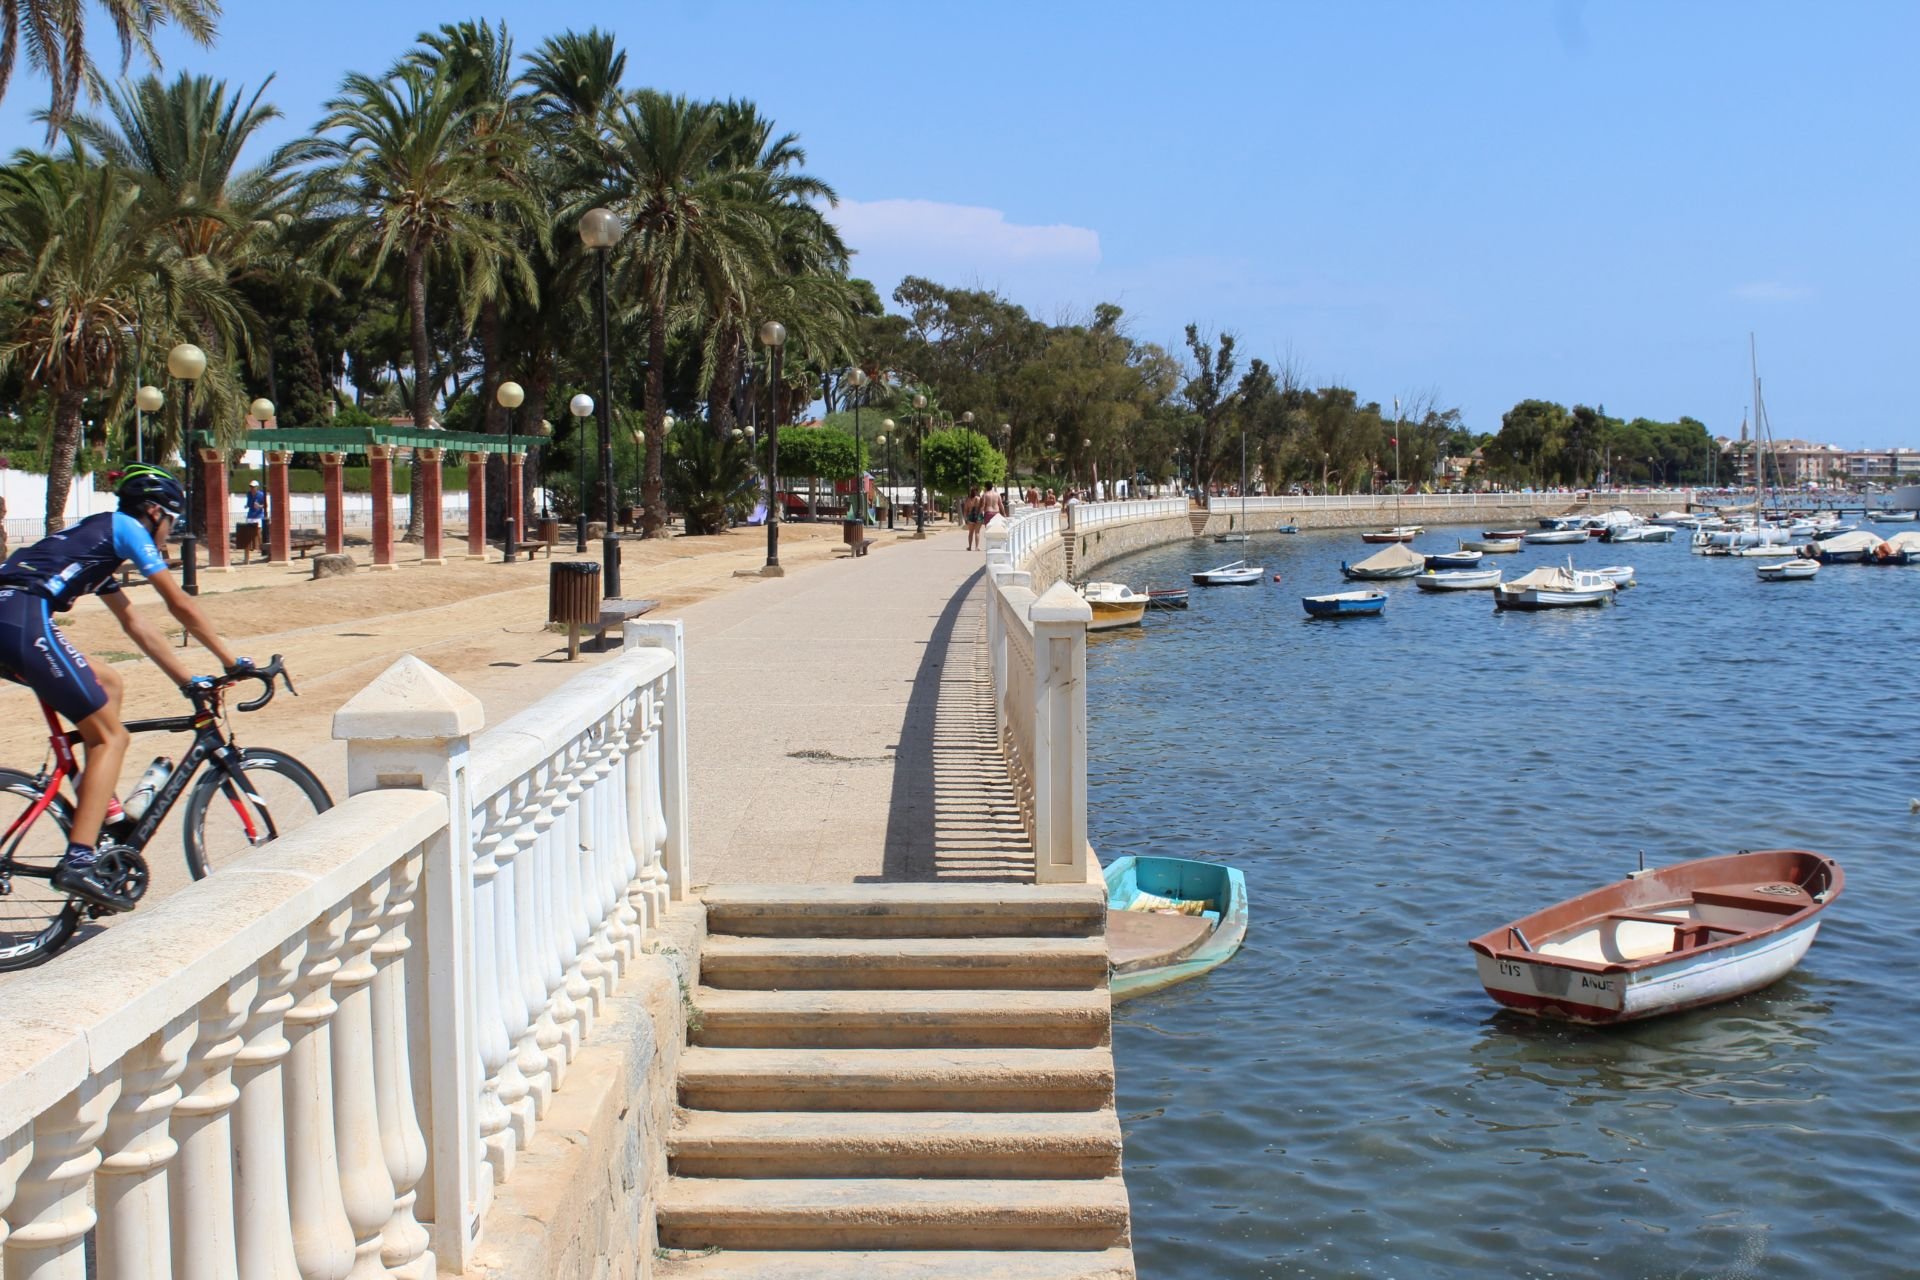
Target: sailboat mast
1759, 437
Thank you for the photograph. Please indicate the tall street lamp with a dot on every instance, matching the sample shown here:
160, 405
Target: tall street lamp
919, 458
857, 507
773, 336
187, 362
146, 400
581, 407
600, 230
885, 441
508, 396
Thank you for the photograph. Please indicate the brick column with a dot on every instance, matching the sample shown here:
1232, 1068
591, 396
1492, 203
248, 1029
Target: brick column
381, 456
218, 521
517, 494
428, 460
333, 466
279, 507
476, 505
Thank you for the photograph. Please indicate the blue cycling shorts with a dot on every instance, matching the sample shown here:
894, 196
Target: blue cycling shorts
35, 653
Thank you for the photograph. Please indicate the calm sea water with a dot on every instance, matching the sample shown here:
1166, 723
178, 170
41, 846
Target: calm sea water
1342, 1099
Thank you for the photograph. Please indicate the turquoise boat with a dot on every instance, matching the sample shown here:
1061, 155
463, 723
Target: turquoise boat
1170, 919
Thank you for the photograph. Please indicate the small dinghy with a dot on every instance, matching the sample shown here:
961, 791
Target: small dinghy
1620, 575
1232, 537
1166, 597
1787, 570
1493, 546
1895, 517
1237, 574
1346, 604
1554, 537
1399, 533
1114, 605
1394, 562
1464, 558
1457, 579
1671, 938
1503, 535
1287, 528
1170, 919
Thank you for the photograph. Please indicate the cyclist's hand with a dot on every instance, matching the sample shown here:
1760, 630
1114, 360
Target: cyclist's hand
240, 667
199, 687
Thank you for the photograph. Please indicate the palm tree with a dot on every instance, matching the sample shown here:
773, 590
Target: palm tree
79, 260
54, 34
407, 179
692, 231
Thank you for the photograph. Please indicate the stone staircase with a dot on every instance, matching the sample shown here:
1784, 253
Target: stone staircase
1198, 520
898, 1082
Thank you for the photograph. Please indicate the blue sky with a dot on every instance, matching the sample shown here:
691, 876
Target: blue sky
1482, 201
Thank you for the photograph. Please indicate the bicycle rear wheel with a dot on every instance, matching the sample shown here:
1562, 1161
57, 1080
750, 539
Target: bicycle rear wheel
36, 920
279, 794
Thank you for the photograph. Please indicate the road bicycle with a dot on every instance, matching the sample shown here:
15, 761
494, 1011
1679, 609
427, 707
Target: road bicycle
267, 792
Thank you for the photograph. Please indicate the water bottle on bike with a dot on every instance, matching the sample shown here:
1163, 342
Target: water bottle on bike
135, 805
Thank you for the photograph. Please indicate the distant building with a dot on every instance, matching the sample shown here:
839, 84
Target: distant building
1803, 462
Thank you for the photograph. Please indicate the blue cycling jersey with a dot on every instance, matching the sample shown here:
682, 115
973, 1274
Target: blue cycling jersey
81, 559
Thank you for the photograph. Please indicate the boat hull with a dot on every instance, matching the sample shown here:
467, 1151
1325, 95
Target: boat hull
1355, 605
1555, 537
1493, 546
1352, 574
1534, 601
1167, 598
1111, 617
1177, 879
1458, 580
1228, 578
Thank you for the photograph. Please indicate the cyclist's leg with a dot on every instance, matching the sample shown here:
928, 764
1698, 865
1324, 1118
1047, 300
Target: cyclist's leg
107, 740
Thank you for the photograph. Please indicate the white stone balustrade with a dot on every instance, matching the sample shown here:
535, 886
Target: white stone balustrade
1038, 648
318, 1064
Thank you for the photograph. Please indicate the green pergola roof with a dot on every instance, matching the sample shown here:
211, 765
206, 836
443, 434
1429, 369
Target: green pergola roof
357, 440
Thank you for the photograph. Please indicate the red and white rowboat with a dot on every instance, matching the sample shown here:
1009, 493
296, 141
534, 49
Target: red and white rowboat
1664, 939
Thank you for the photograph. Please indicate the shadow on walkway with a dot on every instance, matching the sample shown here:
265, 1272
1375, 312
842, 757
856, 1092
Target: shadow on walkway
952, 814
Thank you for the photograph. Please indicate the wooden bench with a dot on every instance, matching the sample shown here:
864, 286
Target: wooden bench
615, 612
532, 549
303, 545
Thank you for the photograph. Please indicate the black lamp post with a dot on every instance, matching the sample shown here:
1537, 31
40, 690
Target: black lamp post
508, 396
187, 362
857, 503
773, 336
919, 460
886, 442
581, 407
601, 229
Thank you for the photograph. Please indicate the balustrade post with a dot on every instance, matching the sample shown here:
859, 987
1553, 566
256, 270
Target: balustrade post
582, 970
50, 1214
554, 1026
1007, 580
653, 872
263, 1220
413, 727
322, 1235
530, 1054
676, 805
1060, 619
200, 1180
365, 1188
134, 1239
16, 1149
596, 894
404, 1246
493, 987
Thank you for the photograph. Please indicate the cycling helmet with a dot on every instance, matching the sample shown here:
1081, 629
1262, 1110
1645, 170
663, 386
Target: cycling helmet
144, 484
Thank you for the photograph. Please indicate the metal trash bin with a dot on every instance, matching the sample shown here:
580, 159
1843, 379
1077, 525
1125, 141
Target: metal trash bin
573, 598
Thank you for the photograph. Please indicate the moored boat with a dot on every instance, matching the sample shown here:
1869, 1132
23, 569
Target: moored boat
1787, 570
1464, 558
1504, 535
1392, 562
1399, 533
1457, 579
1620, 575
1237, 574
1114, 605
1554, 537
1346, 604
1166, 597
1895, 517
1662, 940
1638, 533
1850, 547
1554, 587
1170, 919
1493, 546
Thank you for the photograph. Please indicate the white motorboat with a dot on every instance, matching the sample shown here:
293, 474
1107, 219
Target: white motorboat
1114, 605
1896, 517
1555, 537
1787, 570
1492, 546
1457, 579
1620, 575
1554, 587
1638, 533
1677, 520
1398, 533
1237, 574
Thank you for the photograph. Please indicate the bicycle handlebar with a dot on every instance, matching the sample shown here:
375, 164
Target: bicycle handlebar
265, 675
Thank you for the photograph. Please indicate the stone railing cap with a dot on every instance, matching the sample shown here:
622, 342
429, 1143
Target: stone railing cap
1061, 603
409, 702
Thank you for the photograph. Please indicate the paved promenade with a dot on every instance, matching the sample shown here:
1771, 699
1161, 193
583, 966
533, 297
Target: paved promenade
841, 725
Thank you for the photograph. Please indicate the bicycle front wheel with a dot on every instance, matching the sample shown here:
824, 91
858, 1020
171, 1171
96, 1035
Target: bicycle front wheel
229, 816
36, 919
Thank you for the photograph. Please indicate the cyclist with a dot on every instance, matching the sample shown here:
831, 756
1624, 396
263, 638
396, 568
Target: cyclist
46, 578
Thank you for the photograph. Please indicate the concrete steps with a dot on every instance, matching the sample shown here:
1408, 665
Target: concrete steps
874, 1019
1198, 521
1108, 1264
900, 1082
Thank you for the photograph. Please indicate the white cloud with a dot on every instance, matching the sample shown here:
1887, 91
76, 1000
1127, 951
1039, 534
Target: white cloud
957, 235
1771, 291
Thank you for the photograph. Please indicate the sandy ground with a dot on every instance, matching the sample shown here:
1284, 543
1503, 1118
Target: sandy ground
481, 623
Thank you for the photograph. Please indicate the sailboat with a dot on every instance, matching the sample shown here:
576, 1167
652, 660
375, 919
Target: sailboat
1240, 534
1239, 573
1399, 532
1759, 537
